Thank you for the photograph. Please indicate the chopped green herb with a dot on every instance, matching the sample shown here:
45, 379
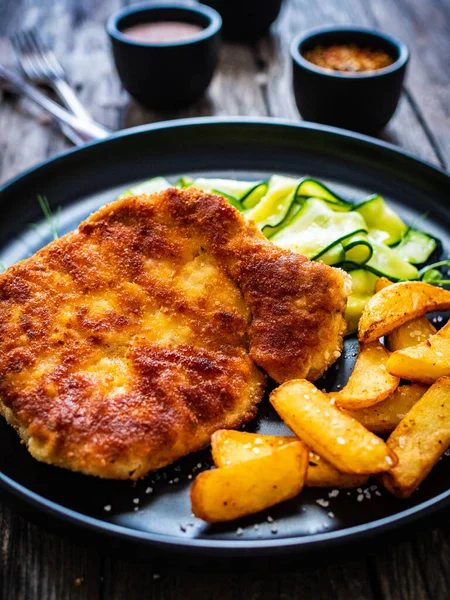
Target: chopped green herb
51, 222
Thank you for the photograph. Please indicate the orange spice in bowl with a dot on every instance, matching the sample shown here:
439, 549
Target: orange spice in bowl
348, 58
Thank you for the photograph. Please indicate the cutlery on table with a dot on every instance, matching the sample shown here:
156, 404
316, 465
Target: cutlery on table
87, 129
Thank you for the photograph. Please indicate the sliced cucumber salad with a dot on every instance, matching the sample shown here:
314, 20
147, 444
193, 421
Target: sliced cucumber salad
367, 239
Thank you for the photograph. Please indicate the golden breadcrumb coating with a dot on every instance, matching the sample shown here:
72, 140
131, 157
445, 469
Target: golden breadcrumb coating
126, 344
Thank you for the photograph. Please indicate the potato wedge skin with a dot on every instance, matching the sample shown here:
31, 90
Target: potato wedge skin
419, 440
381, 283
336, 436
397, 304
425, 362
231, 447
249, 487
370, 381
322, 474
410, 334
384, 417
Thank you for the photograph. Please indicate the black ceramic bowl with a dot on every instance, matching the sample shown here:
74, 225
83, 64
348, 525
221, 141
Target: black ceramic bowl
362, 101
166, 75
246, 19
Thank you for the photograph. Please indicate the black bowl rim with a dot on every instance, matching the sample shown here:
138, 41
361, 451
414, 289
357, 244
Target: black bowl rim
297, 57
228, 548
215, 23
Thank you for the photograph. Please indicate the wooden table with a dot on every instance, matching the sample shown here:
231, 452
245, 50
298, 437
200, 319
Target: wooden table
251, 80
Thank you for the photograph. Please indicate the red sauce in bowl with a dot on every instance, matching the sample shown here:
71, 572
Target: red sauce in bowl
162, 31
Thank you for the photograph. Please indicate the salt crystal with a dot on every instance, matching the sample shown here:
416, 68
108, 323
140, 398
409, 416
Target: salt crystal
258, 441
107, 507
322, 502
331, 515
333, 494
439, 353
401, 441
340, 440
256, 450
270, 519
360, 497
389, 460
239, 531
189, 476
306, 396
156, 576
149, 490
383, 367
136, 500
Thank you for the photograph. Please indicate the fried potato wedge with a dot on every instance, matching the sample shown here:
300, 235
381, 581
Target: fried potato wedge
251, 486
229, 447
233, 447
322, 474
381, 283
397, 304
425, 362
384, 417
370, 381
419, 440
410, 334
336, 436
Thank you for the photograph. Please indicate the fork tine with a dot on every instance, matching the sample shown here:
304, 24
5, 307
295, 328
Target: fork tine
22, 49
35, 57
46, 55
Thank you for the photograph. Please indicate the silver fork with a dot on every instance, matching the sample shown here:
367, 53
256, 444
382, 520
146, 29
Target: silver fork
40, 65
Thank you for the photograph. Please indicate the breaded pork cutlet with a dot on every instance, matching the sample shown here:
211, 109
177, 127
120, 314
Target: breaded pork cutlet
126, 344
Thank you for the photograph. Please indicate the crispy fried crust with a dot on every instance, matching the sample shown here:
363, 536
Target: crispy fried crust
125, 345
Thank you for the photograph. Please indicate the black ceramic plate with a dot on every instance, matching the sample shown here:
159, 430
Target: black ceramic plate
155, 512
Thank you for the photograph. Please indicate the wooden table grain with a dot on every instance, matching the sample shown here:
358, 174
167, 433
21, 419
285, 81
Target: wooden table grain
251, 80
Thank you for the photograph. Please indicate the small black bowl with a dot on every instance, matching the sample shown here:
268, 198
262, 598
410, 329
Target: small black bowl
245, 20
166, 75
361, 101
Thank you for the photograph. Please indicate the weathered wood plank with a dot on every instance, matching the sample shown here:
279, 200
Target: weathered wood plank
433, 554
404, 129
35, 565
340, 581
400, 575
424, 26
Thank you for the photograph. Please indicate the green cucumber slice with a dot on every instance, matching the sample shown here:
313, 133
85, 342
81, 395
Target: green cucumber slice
357, 248
385, 226
157, 184
386, 263
311, 188
416, 246
254, 195
269, 232
274, 206
231, 187
316, 228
